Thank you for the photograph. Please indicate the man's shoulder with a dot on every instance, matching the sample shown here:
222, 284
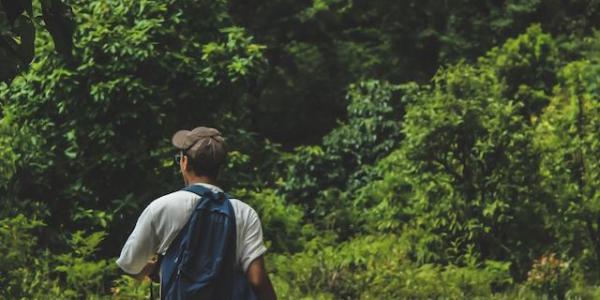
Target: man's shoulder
239, 204
242, 209
180, 201
174, 200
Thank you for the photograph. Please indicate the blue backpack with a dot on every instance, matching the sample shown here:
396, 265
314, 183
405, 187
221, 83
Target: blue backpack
200, 262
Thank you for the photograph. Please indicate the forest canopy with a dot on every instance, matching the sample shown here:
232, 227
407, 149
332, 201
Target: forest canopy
393, 149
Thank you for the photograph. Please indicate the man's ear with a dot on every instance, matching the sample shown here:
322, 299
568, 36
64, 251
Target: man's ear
186, 163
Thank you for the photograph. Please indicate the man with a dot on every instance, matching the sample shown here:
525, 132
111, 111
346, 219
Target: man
202, 153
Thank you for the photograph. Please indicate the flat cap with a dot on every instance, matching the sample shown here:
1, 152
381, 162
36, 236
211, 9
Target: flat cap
203, 144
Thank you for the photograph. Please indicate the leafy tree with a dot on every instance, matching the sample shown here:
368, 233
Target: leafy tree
464, 172
424, 188
315, 49
528, 65
144, 70
322, 177
18, 32
568, 138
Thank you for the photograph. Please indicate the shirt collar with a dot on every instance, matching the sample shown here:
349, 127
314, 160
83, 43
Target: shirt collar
209, 186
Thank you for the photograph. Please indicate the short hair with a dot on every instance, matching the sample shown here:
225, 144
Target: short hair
202, 167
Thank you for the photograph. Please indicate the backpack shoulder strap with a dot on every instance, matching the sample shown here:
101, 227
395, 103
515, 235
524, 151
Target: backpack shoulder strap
213, 200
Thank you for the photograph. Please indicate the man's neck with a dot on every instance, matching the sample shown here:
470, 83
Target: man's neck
201, 179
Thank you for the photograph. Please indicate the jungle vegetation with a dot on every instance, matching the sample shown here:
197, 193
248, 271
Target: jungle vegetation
393, 149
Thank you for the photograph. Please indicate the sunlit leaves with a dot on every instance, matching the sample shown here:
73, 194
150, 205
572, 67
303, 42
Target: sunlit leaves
232, 58
569, 139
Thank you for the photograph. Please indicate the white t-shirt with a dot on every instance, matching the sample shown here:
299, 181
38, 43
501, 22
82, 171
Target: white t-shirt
161, 221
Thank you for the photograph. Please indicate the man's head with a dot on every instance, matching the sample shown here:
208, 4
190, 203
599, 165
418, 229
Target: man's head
203, 152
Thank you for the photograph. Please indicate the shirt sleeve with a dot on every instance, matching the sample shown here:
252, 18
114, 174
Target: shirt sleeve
253, 246
140, 246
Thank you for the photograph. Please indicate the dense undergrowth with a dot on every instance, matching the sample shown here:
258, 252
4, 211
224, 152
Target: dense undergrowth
481, 183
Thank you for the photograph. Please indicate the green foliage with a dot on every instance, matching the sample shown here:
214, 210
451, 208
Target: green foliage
84, 277
281, 221
232, 59
376, 267
459, 177
29, 272
568, 135
18, 32
8, 158
19, 147
139, 69
382, 202
315, 174
127, 287
373, 128
550, 276
583, 291
447, 188
527, 65
464, 172
17, 243
317, 48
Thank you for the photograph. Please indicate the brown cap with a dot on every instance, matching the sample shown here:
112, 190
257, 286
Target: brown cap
203, 144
